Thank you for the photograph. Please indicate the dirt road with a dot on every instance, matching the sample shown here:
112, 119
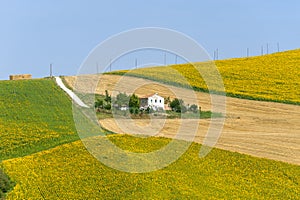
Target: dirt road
262, 129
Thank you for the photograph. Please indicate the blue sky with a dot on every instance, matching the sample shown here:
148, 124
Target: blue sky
36, 33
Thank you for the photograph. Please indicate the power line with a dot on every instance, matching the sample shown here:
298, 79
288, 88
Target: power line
110, 65
97, 68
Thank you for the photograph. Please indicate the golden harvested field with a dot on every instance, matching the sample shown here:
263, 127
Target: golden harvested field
263, 129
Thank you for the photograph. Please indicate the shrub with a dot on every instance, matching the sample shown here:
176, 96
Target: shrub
136, 111
149, 110
107, 106
193, 108
131, 110
183, 109
99, 103
5, 184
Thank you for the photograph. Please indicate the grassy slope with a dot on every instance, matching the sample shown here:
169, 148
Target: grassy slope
274, 77
70, 172
35, 115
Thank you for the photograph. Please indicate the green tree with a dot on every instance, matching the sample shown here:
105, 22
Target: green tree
107, 97
177, 105
99, 103
5, 184
193, 108
122, 99
134, 101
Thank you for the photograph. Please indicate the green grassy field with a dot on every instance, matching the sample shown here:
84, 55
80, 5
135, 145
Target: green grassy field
274, 77
70, 172
34, 115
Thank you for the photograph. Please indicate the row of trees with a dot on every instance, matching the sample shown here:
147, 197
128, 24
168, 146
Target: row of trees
178, 105
104, 104
121, 100
133, 103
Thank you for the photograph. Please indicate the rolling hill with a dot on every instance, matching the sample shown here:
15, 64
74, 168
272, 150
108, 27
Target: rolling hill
274, 77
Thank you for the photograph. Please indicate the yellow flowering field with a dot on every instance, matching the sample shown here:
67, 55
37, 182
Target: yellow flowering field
273, 77
70, 172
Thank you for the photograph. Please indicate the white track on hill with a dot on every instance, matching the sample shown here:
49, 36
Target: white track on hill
74, 97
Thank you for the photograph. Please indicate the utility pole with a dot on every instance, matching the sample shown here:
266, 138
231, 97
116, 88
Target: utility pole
136, 64
110, 65
267, 48
262, 50
217, 54
165, 58
214, 55
175, 59
51, 70
247, 52
278, 49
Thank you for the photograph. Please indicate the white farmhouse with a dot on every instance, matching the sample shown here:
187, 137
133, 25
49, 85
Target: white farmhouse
153, 101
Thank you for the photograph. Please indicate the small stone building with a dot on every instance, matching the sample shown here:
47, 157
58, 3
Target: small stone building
20, 77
